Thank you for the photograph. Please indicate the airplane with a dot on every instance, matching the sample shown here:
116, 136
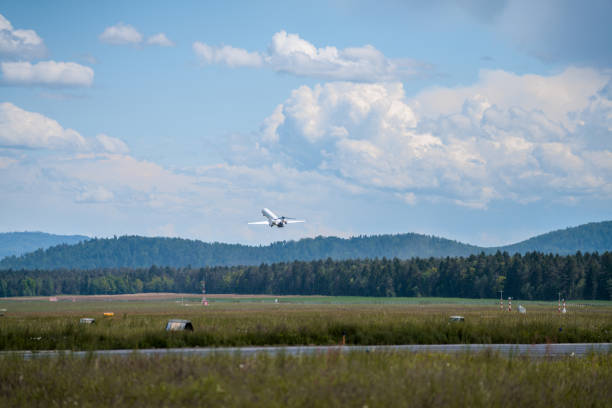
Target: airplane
274, 220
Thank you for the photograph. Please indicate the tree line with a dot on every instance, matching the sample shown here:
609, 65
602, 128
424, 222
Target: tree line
531, 276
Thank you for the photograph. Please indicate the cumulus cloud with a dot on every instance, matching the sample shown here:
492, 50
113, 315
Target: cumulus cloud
510, 137
21, 44
46, 73
161, 40
121, 34
20, 129
291, 54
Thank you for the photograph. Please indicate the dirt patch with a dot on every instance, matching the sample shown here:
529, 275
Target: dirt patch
142, 296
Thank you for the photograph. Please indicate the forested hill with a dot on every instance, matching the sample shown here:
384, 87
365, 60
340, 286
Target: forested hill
592, 237
139, 252
134, 252
18, 243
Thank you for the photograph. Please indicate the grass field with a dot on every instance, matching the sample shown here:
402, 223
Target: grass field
329, 379
324, 380
258, 320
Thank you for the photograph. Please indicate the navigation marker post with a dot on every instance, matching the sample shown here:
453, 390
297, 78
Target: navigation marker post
204, 300
564, 310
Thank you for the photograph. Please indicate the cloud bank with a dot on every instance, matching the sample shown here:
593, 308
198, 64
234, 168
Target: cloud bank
507, 137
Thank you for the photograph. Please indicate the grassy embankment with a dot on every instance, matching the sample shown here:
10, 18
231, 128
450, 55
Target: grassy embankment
332, 379
55, 326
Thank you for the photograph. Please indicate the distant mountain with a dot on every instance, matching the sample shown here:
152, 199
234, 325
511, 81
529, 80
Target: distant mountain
135, 251
18, 243
592, 237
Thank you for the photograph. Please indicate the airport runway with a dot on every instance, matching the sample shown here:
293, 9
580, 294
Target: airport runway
529, 350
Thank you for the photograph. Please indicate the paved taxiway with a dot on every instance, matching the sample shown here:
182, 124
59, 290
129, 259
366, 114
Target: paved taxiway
529, 350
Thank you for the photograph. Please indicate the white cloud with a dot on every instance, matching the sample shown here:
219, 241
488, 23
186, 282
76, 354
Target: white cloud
19, 43
512, 137
30, 130
46, 73
233, 57
23, 129
121, 34
161, 40
555, 95
291, 54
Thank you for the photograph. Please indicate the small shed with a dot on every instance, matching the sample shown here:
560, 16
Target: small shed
87, 320
179, 325
2, 312
457, 318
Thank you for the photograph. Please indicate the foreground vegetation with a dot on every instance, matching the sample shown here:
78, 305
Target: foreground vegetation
332, 379
532, 276
138, 325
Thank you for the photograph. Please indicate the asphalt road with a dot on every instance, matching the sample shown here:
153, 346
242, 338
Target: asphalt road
530, 350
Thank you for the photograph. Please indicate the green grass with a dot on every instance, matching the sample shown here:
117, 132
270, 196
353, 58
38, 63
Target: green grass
38, 325
324, 380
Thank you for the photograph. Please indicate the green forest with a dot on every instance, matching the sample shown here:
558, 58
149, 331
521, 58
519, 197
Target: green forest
143, 252
531, 276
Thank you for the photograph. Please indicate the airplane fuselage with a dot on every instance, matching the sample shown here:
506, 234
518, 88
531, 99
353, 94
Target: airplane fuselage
273, 219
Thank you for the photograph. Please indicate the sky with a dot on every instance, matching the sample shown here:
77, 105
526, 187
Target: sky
484, 122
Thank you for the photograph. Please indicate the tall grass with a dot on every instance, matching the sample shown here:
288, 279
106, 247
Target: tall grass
324, 380
253, 324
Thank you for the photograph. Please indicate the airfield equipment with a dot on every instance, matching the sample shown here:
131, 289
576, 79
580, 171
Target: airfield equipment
457, 318
179, 325
87, 320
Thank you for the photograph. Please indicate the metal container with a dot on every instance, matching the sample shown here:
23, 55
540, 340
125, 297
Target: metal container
179, 325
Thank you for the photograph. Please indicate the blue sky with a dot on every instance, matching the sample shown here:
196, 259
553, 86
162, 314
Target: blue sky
485, 122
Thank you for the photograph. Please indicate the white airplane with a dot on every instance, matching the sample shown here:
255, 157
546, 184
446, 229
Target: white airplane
274, 220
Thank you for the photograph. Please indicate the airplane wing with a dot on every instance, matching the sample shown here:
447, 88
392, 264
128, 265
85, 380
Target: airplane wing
294, 221
259, 222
